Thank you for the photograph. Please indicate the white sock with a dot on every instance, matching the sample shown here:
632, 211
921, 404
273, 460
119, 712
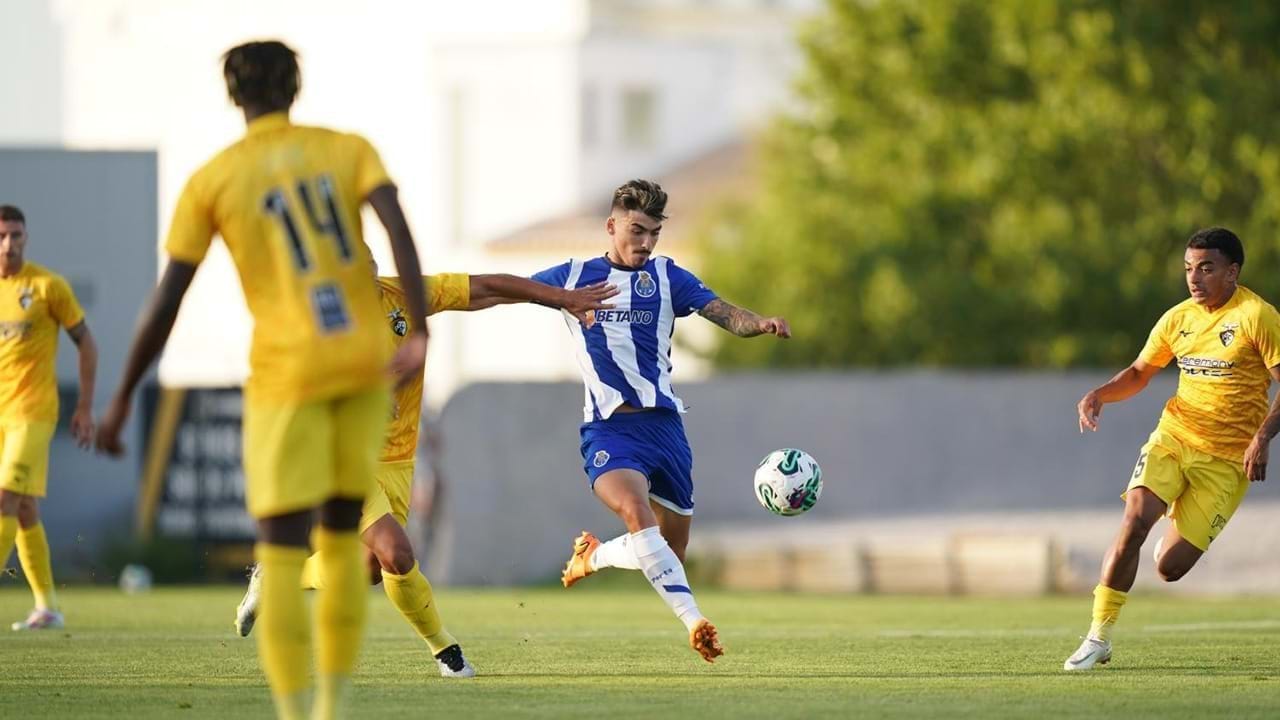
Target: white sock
616, 553
665, 573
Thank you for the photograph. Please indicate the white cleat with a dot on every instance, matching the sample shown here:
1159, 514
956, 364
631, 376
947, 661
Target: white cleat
40, 619
1091, 652
452, 663
247, 610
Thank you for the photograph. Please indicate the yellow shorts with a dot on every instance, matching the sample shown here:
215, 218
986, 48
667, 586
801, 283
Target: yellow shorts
298, 456
24, 456
1202, 491
390, 496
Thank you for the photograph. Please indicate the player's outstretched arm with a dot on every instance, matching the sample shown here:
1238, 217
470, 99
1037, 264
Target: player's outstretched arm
1127, 383
148, 340
499, 289
743, 322
412, 352
82, 418
1255, 456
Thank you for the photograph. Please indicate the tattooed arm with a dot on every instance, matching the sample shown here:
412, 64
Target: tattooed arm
743, 322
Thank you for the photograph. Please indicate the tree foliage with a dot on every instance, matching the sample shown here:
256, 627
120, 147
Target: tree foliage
1004, 182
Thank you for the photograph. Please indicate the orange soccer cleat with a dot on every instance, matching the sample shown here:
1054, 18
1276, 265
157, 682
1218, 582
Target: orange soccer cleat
704, 639
579, 565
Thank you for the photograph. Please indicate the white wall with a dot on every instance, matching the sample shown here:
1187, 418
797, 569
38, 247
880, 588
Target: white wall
476, 108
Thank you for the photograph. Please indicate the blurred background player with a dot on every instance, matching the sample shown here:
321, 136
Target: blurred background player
634, 448
34, 303
286, 200
1212, 439
386, 509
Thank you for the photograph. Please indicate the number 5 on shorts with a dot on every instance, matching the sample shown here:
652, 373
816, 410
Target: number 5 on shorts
1140, 466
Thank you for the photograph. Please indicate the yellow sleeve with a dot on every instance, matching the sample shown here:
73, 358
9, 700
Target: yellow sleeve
1266, 336
447, 291
370, 174
192, 230
1158, 351
63, 305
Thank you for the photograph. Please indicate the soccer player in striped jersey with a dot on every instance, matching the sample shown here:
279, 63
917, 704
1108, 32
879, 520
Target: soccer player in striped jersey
286, 200
634, 449
386, 508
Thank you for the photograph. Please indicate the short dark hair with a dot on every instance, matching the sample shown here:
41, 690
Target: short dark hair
10, 213
1220, 239
643, 195
262, 73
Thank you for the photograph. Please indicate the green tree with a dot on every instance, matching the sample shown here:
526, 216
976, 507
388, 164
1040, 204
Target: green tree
1004, 182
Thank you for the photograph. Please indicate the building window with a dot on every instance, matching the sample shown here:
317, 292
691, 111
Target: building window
639, 117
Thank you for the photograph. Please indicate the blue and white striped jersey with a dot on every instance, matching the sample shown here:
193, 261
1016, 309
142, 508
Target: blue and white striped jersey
626, 356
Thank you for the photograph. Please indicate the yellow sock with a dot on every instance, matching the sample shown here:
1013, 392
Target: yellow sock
33, 552
411, 594
311, 579
284, 636
1106, 610
340, 614
8, 532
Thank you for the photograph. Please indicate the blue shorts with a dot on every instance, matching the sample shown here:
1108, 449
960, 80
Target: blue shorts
652, 443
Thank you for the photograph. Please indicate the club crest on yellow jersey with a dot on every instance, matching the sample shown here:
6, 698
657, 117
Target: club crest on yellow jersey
399, 325
25, 298
1228, 334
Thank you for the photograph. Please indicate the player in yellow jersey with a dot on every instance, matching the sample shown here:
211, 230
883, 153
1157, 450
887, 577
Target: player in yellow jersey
1213, 435
34, 304
286, 200
387, 507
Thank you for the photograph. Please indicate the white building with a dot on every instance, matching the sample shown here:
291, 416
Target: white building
499, 119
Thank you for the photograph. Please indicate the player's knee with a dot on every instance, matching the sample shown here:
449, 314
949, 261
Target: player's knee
341, 513
636, 514
1170, 569
28, 511
398, 558
1170, 572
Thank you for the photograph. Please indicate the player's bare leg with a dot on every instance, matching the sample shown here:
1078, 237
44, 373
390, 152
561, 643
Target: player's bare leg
1142, 509
1175, 556
626, 493
409, 590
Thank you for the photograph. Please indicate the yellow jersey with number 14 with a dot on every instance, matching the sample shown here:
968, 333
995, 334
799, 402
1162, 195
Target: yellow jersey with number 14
1224, 358
445, 291
286, 200
34, 304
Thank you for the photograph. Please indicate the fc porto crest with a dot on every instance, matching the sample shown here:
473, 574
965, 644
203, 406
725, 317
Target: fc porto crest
601, 458
1228, 334
399, 325
25, 298
645, 285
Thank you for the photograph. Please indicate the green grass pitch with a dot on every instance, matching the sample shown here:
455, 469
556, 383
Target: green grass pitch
611, 652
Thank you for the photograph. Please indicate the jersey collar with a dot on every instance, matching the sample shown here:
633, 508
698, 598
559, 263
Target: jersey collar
624, 268
270, 121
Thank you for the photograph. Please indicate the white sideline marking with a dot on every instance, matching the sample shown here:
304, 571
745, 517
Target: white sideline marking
962, 633
1037, 632
1204, 626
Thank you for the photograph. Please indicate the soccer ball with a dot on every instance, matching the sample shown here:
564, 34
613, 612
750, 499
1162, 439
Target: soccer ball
788, 482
